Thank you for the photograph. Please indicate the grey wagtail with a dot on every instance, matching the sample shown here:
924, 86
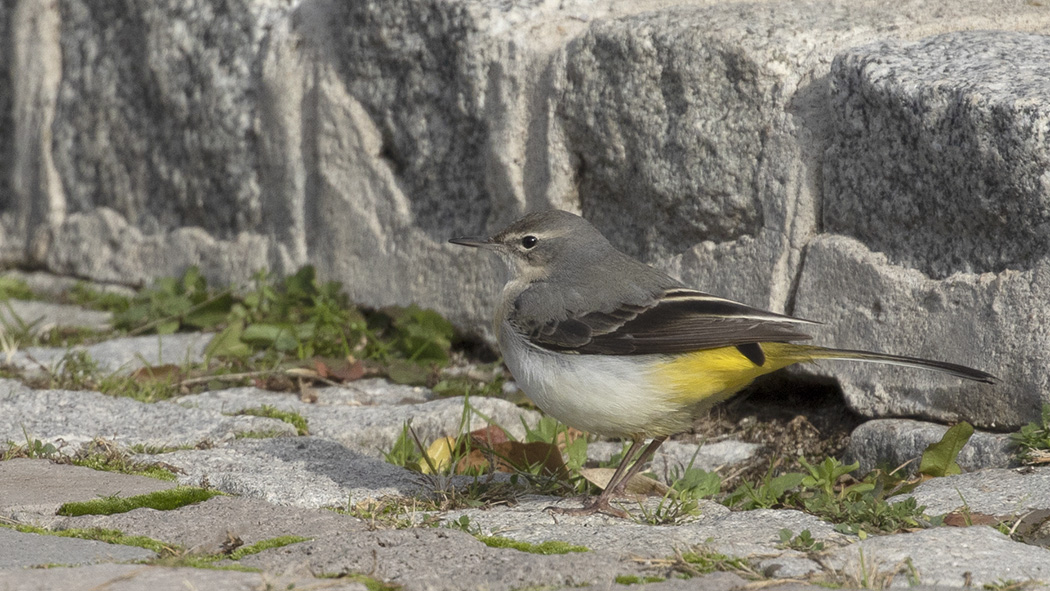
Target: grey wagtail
607, 344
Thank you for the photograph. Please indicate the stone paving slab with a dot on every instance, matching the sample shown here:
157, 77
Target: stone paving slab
673, 457
203, 527
1000, 492
122, 355
437, 559
743, 533
76, 417
43, 316
18, 549
897, 441
373, 429
300, 471
949, 556
33, 490
136, 577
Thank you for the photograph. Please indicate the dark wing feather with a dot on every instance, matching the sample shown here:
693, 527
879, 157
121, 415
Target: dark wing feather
682, 320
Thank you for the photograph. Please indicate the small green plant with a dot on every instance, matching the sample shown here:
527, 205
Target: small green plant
770, 492
292, 418
1033, 440
701, 561
86, 296
405, 452
164, 500
33, 449
463, 524
695, 483
939, 458
171, 304
672, 509
803, 542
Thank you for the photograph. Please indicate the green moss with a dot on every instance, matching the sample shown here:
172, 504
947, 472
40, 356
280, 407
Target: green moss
635, 579
109, 536
164, 500
109, 463
257, 547
292, 418
545, 548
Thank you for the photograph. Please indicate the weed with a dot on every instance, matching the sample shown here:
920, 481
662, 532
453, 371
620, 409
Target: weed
164, 500
97, 455
770, 492
1033, 440
672, 509
939, 458
390, 512
33, 449
803, 542
292, 418
86, 296
695, 483
701, 561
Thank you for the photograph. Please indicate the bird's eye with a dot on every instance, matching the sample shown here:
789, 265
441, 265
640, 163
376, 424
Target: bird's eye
529, 241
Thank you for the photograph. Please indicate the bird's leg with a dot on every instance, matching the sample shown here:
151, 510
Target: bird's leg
617, 483
644, 457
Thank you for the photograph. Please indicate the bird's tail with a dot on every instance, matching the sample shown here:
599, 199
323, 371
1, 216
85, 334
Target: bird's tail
813, 353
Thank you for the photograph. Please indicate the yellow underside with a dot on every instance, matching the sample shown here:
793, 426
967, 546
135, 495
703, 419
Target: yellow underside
712, 375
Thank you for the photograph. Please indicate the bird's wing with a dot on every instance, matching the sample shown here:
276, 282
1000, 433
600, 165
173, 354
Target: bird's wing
681, 320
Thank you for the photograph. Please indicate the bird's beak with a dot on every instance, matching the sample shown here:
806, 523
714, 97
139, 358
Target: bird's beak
475, 241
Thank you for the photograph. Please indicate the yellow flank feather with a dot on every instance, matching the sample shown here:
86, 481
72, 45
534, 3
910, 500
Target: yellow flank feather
712, 375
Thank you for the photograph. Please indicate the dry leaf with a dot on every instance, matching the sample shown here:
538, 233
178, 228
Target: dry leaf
515, 456
961, 519
351, 371
440, 455
488, 436
157, 373
638, 485
474, 462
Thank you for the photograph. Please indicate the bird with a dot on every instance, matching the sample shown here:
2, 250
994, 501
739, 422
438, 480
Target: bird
612, 346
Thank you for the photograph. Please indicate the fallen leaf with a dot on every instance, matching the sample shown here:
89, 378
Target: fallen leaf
351, 371
638, 485
515, 456
474, 462
439, 454
157, 373
964, 519
488, 436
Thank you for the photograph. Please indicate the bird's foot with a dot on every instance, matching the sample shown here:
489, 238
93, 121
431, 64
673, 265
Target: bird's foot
599, 505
